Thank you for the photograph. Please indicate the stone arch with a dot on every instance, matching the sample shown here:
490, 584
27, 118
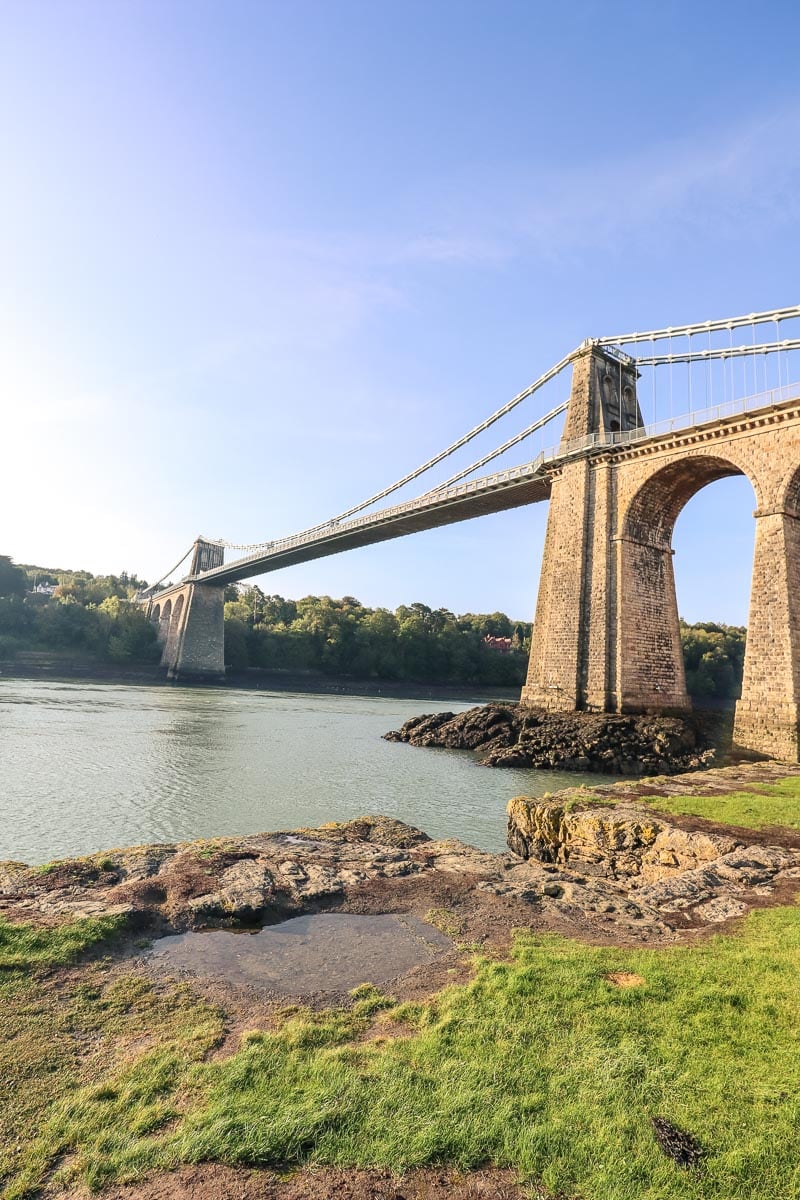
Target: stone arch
173, 636
789, 501
650, 670
653, 510
164, 622
155, 615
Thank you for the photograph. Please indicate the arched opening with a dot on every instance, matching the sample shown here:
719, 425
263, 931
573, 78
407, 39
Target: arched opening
713, 544
611, 403
163, 624
172, 633
654, 509
651, 663
155, 615
176, 617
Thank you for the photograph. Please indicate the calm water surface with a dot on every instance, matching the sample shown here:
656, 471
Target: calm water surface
90, 766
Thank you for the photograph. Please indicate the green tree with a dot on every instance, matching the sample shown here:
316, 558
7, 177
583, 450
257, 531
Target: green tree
13, 581
713, 656
236, 649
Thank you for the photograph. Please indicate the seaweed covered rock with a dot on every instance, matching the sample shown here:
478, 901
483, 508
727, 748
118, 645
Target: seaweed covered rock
510, 735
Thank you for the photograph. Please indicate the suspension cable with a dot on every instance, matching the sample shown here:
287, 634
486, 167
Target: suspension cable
776, 314
168, 573
462, 441
514, 441
654, 360
723, 352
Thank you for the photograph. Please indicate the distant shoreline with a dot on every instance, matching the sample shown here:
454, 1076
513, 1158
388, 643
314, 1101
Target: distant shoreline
254, 679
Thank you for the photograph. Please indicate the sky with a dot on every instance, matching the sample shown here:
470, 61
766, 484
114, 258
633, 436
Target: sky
257, 260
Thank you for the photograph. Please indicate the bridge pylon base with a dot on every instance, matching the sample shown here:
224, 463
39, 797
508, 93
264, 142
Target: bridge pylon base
191, 630
198, 648
768, 714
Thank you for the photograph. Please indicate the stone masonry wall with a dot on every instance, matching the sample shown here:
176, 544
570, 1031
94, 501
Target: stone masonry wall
191, 628
200, 649
606, 630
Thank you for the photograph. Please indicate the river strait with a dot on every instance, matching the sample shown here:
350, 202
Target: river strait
89, 766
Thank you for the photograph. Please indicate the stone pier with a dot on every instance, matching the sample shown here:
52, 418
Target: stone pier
190, 621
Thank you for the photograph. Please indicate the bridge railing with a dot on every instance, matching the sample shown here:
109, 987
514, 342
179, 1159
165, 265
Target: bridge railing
703, 416
427, 500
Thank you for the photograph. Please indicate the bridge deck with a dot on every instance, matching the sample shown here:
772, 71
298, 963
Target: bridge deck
513, 488
529, 485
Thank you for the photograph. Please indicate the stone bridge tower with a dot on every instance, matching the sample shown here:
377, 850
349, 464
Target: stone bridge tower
606, 634
574, 635
190, 620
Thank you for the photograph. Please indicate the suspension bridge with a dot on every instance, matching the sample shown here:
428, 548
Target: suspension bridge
646, 421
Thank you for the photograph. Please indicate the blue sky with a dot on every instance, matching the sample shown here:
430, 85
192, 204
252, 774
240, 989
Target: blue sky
259, 259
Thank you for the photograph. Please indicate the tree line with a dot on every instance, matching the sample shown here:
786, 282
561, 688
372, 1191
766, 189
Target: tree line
344, 637
93, 616
96, 616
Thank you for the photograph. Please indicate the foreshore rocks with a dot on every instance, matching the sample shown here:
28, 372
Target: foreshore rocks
510, 735
601, 866
623, 841
695, 874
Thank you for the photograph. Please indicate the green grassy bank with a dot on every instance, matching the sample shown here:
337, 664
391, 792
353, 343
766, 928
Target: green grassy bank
760, 807
541, 1063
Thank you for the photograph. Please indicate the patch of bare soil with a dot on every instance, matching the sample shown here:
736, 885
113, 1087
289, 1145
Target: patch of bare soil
211, 1181
624, 979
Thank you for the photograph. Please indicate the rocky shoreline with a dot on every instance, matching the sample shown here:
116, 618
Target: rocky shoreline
511, 735
600, 866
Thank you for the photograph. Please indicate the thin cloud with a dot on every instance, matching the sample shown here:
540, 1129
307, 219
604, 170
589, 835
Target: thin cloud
730, 182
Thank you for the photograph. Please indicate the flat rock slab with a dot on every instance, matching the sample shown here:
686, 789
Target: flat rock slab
324, 953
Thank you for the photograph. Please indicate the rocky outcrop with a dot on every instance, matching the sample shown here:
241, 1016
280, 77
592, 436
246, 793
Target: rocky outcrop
511, 735
693, 874
623, 841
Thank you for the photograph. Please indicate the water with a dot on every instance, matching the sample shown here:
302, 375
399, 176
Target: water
325, 952
90, 766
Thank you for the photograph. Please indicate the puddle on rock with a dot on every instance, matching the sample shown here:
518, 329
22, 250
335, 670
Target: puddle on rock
325, 952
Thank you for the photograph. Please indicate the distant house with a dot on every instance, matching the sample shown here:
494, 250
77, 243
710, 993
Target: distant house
45, 589
501, 644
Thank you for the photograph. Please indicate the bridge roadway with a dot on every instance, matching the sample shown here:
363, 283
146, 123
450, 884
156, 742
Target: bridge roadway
494, 493
513, 488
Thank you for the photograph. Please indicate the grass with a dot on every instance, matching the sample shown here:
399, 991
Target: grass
759, 807
57, 1035
29, 946
540, 1063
